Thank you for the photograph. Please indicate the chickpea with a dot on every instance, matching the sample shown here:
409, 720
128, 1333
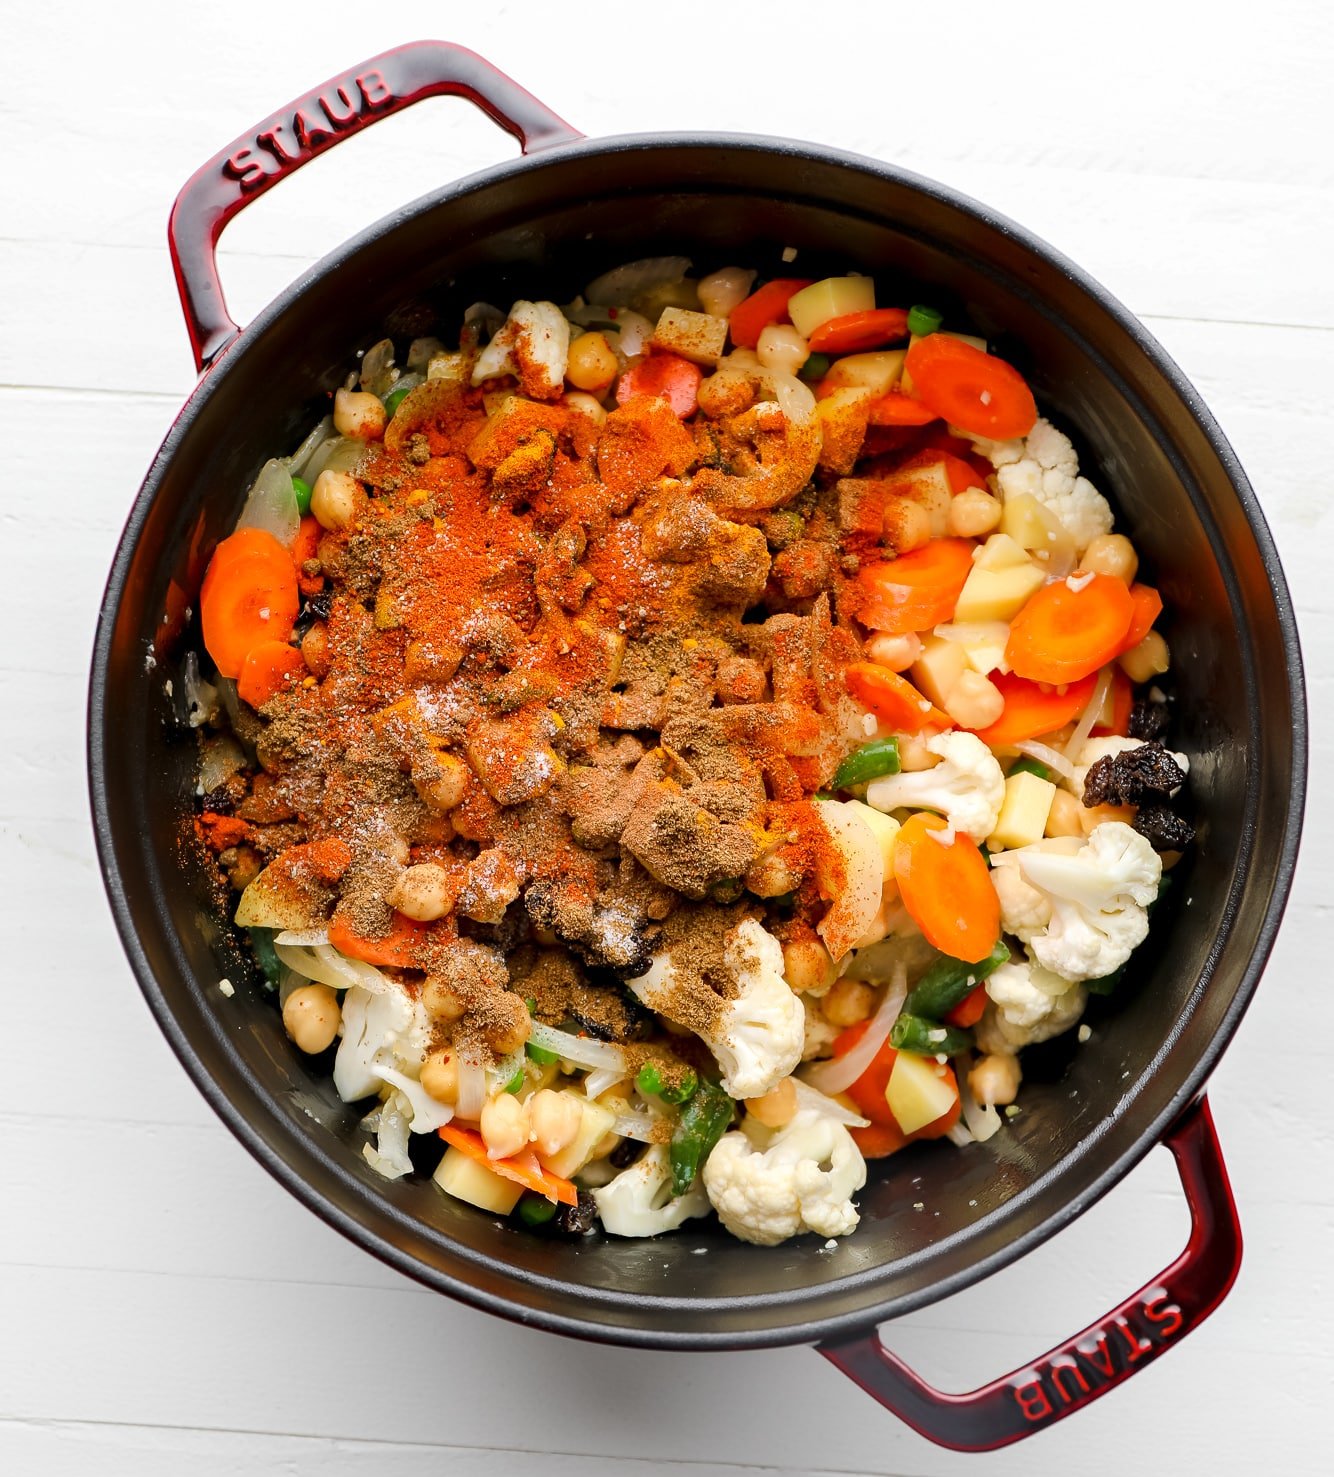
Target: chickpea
591, 365
907, 524
512, 1027
1146, 661
722, 290
772, 876
974, 701
311, 1017
422, 892
728, 392
583, 404
1111, 553
1097, 815
782, 348
914, 754
848, 1002
556, 1119
442, 782
973, 513
441, 1001
1064, 817
777, 1107
808, 967
898, 653
336, 499
315, 649
504, 1125
739, 679
994, 1080
359, 414
440, 1075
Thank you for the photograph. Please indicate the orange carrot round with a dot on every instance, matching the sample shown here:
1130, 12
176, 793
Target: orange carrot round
898, 409
1031, 710
268, 669
851, 333
946, 889
1070, 628
1148, 605
971, 389
668, 376
398, 949
766, 305
247, 598
304, 546
969, 1010
915, 591
878, 1140
895, 701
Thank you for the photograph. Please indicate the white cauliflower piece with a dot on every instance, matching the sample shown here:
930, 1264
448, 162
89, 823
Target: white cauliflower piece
1098, 748
1027, 1004
967, 786
388, 1155
385, 1038
639, 1201
760, 1031
1081, 907
533, 345
768, 1186
1047, 469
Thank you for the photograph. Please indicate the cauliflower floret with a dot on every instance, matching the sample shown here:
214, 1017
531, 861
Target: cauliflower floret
1099, 748
385, 1037
1082, 908
1045, 466
967, 785
533, 345
639, 1202
768, 1186
1027, 1004
760, 1031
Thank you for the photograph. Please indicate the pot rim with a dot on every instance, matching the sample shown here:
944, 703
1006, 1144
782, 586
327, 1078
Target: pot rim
245, 1124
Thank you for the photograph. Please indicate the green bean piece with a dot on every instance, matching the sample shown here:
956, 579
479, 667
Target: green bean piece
949, 981
394, 400
542, 1055
302, 489
535, 1210
261, 941
703, 1121
927, 1038
815, 368
923, 320
1031, 766
682, 1091
515, 1082
880, 756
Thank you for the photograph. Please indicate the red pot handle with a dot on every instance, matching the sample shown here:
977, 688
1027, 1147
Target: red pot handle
322, 118
1078, 1371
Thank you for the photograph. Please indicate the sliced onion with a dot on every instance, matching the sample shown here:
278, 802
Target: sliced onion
472, 1090
300, 458
642, 1127
597, 1082
1090, 714
974, 633
377, 368
222, 759
500, 1074
199, 698
619, 286
584, 1051
795, 399
321, 962
485, 320
1045, 754
842, 1071
303, 938
635, 331
982, 1121
404, 382
960, 1137
271, 505
808, 1097
427, 1113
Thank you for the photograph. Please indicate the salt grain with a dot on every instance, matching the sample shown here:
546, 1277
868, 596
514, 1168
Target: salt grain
227, 988
789, 253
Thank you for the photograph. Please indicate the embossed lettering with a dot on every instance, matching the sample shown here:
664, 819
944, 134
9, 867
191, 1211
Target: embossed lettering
1057, 1370
1100, 1355
1033, 1401
245, 168
271, 141
1166, 1314
347, 106
311, 124
374, 88
1136, 1345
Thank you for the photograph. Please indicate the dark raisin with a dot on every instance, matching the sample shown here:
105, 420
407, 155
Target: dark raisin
219, 800
625, 1153
1149, 720
1144, 772
1164, 829
578, 1220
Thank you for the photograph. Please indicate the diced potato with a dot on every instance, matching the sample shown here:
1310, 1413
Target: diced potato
1035, 527
878, 372
985, 657
596, 1121
842, 417
1001, 552
964, 338
831, 298
939, 667
474, 1183
886, 830
920, 1090
272, 901
997, 594
694, 336
1023, 817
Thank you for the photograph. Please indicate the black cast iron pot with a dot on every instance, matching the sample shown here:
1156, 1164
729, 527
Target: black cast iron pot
541, 227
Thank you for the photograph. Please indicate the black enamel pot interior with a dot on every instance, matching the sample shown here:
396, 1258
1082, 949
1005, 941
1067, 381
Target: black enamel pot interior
542, 227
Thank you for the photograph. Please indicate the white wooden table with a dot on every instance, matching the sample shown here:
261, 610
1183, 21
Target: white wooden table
164, 1306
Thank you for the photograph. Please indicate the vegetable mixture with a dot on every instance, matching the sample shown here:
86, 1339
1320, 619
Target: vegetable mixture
673, 747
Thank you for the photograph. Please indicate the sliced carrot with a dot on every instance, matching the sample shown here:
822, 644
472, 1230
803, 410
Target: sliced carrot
850, 333
962, 476
898, 409
327, 859
1123, 702
895, 701
969, 1010
524, 1169
767, 305
247, 542
219, 832
269, 668
249, 595
971, 389
1148, 605
1070, 628
668, 376
400, 948
1031, 710
915, 591
304, 546
868, 1091
879, 1140
946, 889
